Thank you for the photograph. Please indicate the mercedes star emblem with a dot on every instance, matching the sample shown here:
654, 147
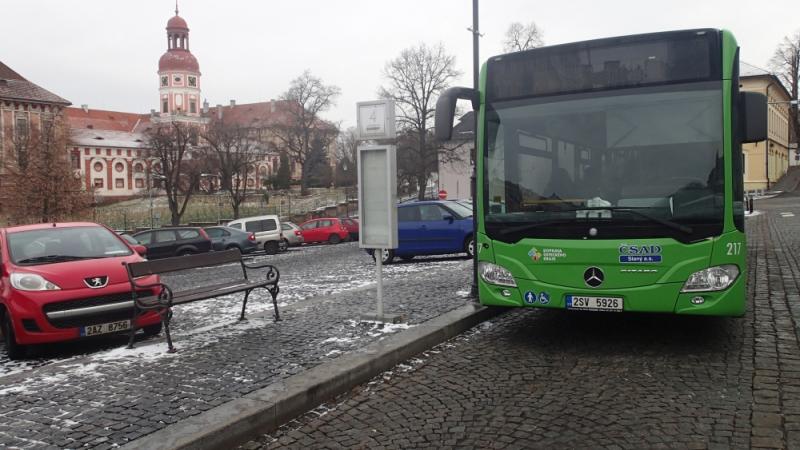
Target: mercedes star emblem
593, 277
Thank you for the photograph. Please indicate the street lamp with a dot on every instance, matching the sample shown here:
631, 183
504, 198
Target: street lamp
153, 177
217, 193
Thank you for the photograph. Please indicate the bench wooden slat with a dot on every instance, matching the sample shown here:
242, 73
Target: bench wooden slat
206, 292
178, 263
176, 297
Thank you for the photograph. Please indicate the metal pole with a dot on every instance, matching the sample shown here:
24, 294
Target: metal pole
379, 263
152, 220
474, 178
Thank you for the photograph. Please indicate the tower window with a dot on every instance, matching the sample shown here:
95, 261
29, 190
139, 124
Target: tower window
164, 80
193, 81
192, 107
164, 106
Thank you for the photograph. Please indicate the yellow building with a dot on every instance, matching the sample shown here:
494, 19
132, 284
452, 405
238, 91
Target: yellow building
762, 169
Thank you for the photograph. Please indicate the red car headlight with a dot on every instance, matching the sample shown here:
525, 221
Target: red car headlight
31, 282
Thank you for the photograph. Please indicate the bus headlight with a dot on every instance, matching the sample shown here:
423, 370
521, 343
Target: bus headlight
494, 274
712, 279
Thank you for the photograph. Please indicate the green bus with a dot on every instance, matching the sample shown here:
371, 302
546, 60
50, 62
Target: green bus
609, 174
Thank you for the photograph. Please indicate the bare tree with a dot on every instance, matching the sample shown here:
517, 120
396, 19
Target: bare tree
308, 96
521, 37
179, 164
235, 150
415, 80
347, 157
786, 64
43, 186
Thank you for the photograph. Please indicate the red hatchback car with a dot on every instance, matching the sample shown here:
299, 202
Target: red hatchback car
326, 229
64, 281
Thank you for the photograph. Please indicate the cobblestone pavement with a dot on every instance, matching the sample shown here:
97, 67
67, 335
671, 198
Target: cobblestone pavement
552, 379
99, 394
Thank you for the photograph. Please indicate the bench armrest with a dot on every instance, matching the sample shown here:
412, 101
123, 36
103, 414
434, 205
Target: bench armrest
273, 275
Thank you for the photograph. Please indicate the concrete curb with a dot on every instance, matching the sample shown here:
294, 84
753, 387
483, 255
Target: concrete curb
264, 410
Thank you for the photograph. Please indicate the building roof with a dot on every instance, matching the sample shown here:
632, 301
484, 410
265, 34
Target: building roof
260, 115
177, 23
178, 59
105, 138
749, 70
98, 119
14, 86
253, 114
465, 127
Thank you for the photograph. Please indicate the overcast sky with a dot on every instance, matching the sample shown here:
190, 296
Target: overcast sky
105, 53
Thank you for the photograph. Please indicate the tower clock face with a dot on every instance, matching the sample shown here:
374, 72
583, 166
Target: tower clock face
177, 79
164, 80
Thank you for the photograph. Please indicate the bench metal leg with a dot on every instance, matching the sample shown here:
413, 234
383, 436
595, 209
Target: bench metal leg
133, 325
244, 304
166, 315
273, 291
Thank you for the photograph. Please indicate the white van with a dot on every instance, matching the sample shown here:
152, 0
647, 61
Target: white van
267, 230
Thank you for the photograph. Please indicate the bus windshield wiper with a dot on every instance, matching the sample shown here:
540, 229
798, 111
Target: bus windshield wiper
52, 259
638, 212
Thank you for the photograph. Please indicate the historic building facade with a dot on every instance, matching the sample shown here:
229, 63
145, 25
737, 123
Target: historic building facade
110, 147
24, 106
767, 161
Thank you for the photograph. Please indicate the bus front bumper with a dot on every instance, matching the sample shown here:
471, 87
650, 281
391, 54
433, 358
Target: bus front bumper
655, 298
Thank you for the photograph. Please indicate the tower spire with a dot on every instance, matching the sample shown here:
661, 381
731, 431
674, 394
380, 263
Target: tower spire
176, 7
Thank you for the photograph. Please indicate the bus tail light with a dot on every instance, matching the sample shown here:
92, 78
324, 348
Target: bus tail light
494, 274
714, 278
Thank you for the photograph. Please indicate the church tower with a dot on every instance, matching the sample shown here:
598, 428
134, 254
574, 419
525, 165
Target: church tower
178, 75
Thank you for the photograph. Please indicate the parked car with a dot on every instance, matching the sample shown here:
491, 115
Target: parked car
178, 241
226, 238
267, 230
352, 227
129, 239
292, 235
432, 227
65, 281
326, 229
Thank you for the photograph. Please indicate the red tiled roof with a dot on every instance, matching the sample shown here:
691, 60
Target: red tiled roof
98, 119
256, 114
14, 86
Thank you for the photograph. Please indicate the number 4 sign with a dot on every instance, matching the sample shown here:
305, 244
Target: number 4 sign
376, 120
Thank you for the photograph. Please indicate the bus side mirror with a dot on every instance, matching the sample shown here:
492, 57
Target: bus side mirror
446, 109
753, 107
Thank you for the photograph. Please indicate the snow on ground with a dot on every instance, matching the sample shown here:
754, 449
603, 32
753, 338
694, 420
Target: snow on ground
193, 323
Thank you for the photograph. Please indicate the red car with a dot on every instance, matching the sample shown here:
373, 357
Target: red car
326, 229
352, 227
65, 281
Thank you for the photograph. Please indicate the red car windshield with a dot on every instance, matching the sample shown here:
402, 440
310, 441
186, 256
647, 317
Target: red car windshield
52, 245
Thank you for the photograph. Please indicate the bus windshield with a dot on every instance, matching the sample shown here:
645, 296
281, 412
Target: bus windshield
626, 162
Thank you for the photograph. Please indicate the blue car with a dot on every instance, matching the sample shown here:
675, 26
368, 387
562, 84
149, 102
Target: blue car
432, 228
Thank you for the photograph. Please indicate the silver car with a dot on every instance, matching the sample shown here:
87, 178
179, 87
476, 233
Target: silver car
291, 236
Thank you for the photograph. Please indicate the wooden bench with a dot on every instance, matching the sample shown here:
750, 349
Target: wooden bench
169, 297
